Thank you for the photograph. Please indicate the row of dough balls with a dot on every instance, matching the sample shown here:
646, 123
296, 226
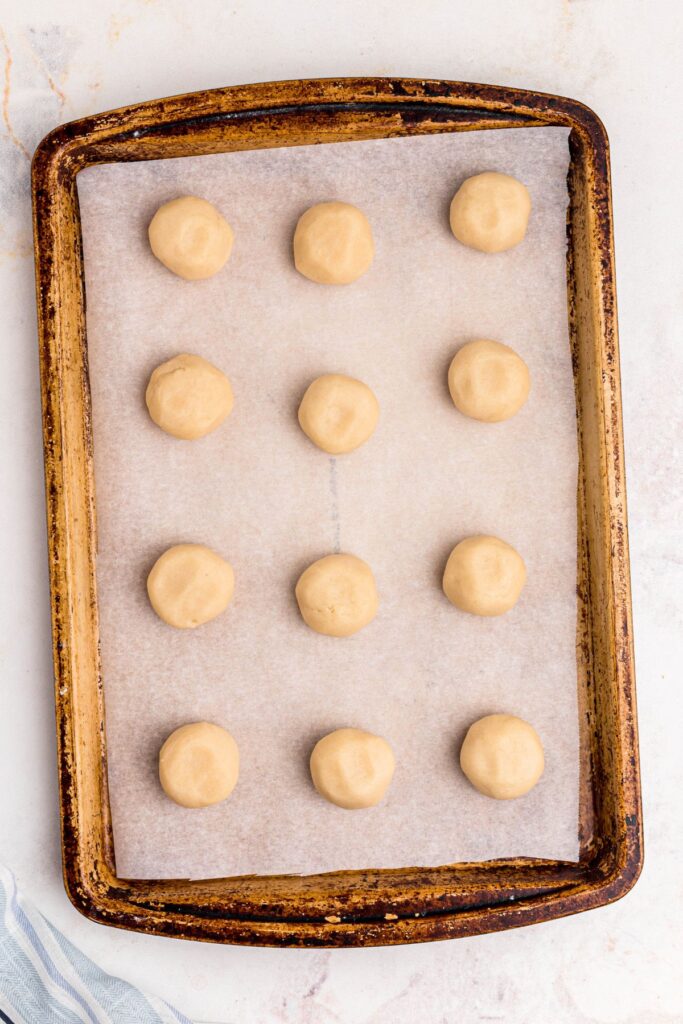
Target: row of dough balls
188, 397
190, 584
333, 242
501, 755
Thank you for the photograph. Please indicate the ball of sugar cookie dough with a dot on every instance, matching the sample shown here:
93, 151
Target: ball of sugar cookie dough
333, 243
338, 413
490, 212
190, 237
502, 756
484, 576
352, 768
337, 595
188, 397
488, 381
189, 585
199, 765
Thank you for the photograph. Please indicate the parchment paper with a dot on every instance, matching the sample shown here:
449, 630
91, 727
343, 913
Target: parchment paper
259, 493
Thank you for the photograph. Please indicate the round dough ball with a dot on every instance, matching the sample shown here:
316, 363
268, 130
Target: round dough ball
488, 381
189, 585
337, 595
333, 243
352, 768
190, 237
490, 212
502, 756
188, 397
199, 765
338, 413
484, 576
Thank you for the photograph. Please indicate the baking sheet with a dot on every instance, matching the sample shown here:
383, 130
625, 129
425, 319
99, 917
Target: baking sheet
260, 494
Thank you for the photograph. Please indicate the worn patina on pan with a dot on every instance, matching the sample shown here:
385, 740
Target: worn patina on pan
343, 908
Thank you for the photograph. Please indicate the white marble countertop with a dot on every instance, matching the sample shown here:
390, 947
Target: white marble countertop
61, 61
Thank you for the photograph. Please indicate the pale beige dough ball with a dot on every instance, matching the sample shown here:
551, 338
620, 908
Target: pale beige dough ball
502, 756
188, 397
189, 585
337, 595
352, 768
484, 576
488, 381
190, 237
338, 413
490, 212
333, 243
199, 765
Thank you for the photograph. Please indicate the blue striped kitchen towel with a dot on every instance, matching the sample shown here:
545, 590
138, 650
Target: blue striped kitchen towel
46, 980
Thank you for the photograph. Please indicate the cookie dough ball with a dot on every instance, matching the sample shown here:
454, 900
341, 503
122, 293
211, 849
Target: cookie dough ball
352, 768
502, 756
188, 397
190, 237
333, 243
199, 765
490, 212
488, 381
484, 576
338, 413
189, 585
337, 595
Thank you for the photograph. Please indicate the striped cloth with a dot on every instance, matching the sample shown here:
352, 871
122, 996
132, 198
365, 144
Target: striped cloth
46, 980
